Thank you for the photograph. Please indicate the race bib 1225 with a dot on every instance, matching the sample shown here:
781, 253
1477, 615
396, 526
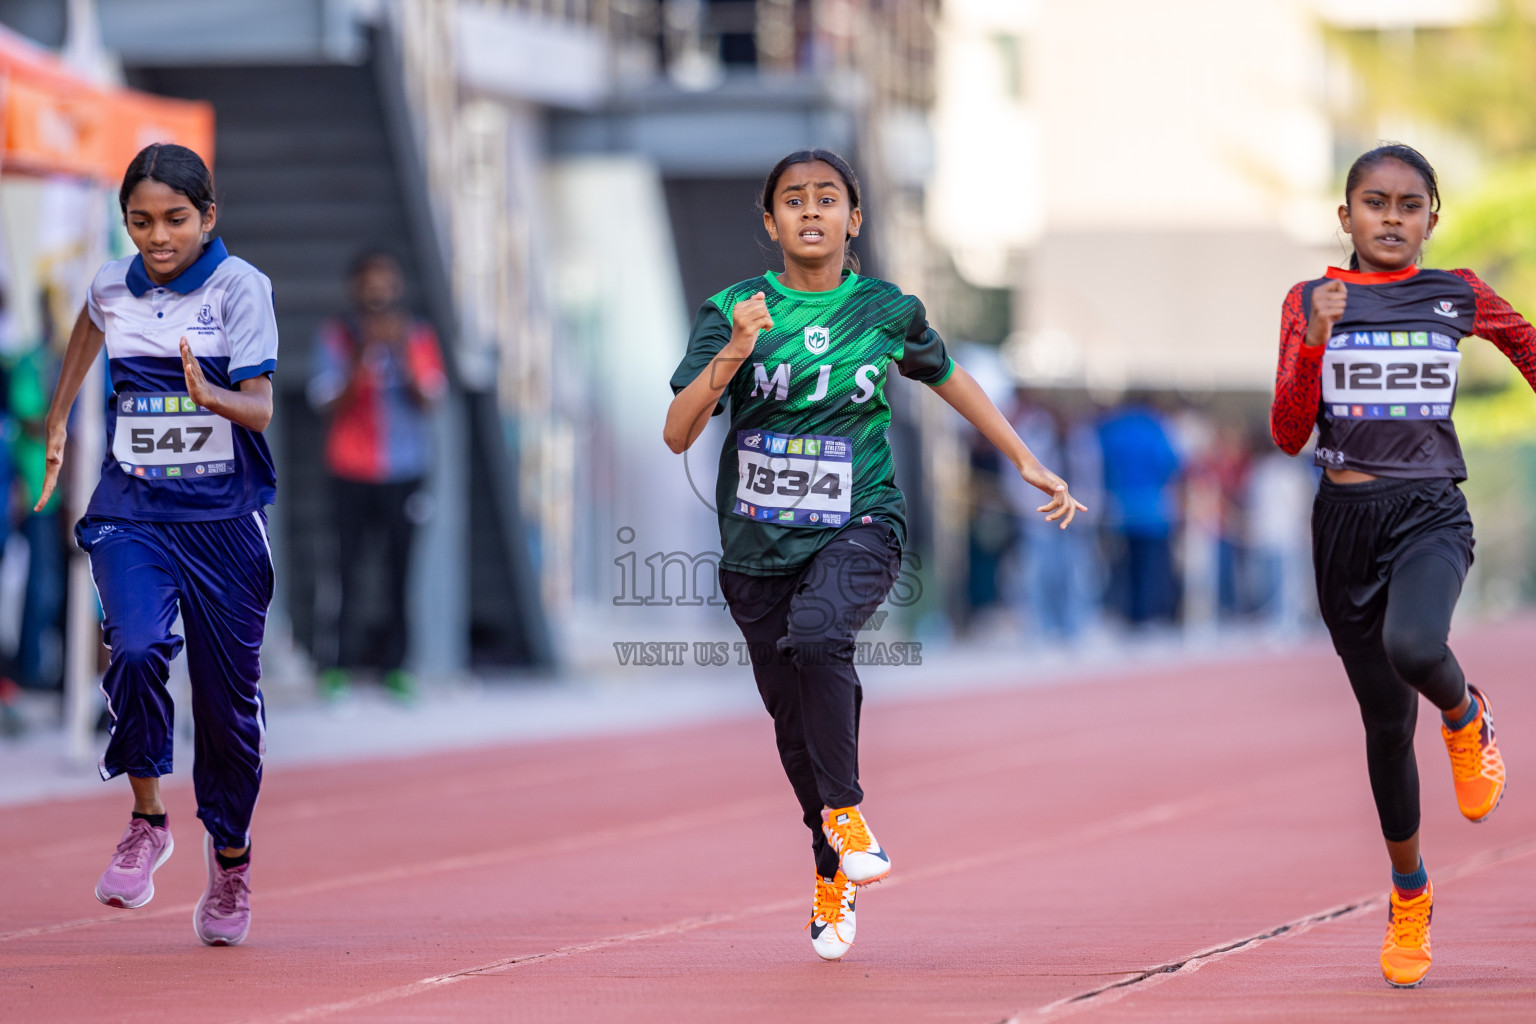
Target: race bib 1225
1390, 375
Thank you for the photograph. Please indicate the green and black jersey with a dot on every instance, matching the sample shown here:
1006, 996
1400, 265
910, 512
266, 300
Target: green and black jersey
806, 453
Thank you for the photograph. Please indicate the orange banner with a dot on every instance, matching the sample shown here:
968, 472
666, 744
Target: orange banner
58, 123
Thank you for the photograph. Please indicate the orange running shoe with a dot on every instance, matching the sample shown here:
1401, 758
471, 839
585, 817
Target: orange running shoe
1476, 764
1405, 951
860, 856
833, 925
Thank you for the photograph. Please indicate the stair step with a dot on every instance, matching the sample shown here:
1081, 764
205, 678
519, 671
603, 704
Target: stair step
309, 297
365, 222
306, 177
252, 146
309, 258
295, 340
272, 90
310, 184
299, 108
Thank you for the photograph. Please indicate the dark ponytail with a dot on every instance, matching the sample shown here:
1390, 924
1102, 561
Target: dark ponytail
1391, 151
176, 167
838, 164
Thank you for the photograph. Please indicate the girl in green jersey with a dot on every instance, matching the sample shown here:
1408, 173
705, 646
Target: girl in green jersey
811, 521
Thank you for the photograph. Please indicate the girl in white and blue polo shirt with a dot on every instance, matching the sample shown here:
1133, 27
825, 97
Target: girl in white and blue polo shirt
178, 521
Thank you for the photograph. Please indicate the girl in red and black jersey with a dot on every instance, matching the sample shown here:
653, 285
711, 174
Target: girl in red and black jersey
1369, 355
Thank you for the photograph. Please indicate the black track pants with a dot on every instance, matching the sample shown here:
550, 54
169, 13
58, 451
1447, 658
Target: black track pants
1391, 556
380, 511
800, 631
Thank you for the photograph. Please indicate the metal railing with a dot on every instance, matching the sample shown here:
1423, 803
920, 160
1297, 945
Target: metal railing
890, 42
482, 201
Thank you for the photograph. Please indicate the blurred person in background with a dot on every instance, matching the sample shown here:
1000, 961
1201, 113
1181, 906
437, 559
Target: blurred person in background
1218, 479
1085, 457
1140, 470
11, 721
991, 535
1279, 504
1051, 573
377, 373
34, 374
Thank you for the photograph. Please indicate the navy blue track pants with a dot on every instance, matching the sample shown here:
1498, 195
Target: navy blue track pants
219, 574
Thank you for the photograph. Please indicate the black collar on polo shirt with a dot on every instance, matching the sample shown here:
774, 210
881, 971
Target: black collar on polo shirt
184, 283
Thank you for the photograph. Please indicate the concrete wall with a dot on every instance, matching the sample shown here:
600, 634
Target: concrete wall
1149, 178
165, 32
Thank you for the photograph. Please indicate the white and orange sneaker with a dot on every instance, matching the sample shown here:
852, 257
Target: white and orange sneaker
862, 860
832, 923
1405, 950
1476, 764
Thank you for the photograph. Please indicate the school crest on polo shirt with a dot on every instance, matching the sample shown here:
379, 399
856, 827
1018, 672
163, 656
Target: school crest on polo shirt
207, 322
817, 340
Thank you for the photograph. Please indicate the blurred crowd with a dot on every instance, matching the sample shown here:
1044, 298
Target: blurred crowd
32, 543
1197, 521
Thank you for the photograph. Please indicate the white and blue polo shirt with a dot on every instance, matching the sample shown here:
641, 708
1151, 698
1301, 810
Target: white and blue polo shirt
169, 459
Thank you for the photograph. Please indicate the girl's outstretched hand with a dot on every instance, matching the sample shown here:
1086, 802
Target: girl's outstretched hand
1062, 505
53, 461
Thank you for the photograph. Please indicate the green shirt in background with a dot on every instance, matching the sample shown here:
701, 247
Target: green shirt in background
31, 382
819, 372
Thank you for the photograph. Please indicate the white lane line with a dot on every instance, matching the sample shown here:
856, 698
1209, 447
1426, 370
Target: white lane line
507, 963
1140, 981
486, 858
1148, 817
975, 765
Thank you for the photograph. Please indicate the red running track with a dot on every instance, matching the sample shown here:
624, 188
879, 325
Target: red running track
1176, 844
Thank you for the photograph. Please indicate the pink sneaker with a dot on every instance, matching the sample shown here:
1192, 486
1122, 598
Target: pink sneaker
223, 915
129, 881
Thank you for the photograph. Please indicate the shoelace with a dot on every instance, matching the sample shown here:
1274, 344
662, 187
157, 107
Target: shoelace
230, 886
852, 835
1466, 749
1410, 922
827, 905
134, 846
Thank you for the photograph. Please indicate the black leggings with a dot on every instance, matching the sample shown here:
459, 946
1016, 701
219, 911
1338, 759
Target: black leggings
1413, 658
1390, 556
800, 632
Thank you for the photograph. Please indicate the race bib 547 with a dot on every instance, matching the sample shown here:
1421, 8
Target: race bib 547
169, 437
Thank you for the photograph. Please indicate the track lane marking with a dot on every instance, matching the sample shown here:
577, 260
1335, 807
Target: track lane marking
979, 763
507, 963
1140, 981
1158, 814
458, 862
935, 769
458, 783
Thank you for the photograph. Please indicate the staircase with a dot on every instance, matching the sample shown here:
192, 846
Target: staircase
307, 175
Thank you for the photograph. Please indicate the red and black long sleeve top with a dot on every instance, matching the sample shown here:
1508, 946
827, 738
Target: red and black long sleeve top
1381, 391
